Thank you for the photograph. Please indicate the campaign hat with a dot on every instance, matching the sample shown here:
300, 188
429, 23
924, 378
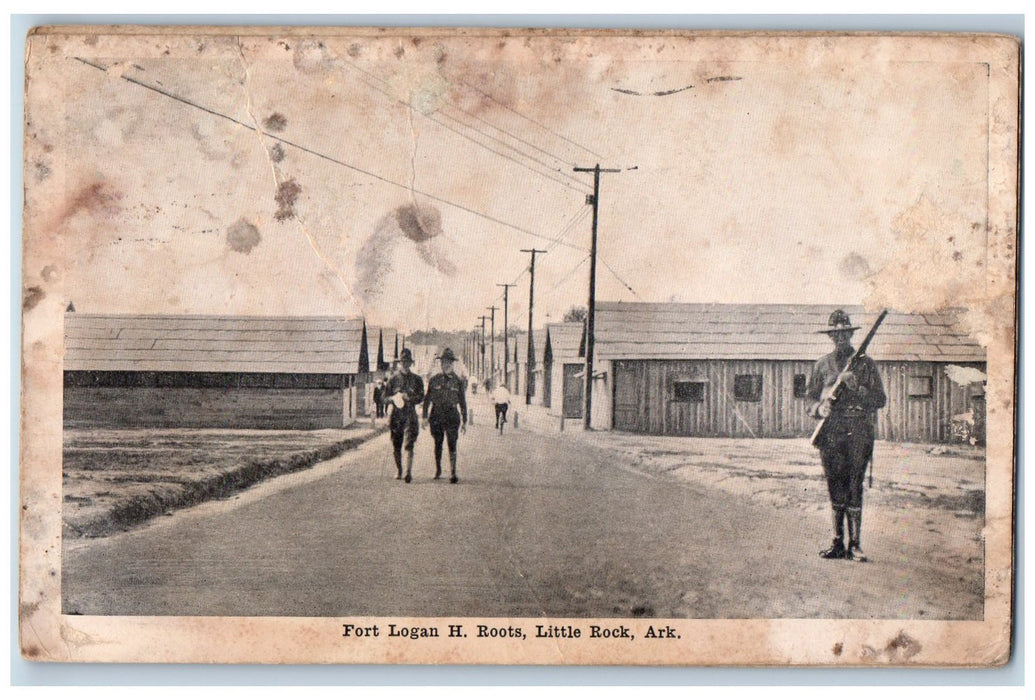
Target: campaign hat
839, 321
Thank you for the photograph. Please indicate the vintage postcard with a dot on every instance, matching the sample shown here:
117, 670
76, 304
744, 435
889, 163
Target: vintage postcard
425, 346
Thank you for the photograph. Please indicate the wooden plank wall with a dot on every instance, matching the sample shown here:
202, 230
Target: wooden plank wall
779, 413
912, 419
190, 407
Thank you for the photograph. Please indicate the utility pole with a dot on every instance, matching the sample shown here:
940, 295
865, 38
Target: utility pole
593, 199
492, 347
481, 349
530, 361
506, 335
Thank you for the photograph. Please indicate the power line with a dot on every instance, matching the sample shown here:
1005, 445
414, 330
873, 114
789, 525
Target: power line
318, 154
512, 135
579, 216
508, 133
542, 126
431, 118
624, 283
517, 150
567, 277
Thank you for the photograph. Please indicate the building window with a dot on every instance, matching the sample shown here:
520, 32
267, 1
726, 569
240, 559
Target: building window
801, 386
920, 387
688, 392
747, 387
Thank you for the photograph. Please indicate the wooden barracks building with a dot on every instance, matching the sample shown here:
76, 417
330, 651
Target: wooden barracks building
741, 370
213, 371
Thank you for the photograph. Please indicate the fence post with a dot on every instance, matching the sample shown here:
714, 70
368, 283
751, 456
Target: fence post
515, 420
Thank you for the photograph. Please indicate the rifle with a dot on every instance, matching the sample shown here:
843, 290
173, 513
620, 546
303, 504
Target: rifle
831, 394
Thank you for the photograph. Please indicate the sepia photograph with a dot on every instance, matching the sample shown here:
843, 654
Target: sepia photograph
360, 345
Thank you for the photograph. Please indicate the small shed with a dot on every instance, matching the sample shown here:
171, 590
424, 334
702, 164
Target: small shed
518, 365
212, 371
541, 368
567, 368
742, 369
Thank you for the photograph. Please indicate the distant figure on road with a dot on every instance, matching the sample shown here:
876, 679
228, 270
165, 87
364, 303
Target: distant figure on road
847, 445
445, 394
501, 398
404, 391
379, 397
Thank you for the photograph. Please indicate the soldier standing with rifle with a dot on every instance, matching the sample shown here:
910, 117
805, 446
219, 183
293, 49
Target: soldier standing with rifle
846, 389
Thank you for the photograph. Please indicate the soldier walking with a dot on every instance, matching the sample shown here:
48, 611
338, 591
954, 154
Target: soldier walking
445, 394
404, 391
846, 443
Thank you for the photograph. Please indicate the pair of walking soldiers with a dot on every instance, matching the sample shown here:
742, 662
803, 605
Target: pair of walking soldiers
448, 412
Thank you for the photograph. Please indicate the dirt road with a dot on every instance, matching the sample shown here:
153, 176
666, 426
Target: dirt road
534, 528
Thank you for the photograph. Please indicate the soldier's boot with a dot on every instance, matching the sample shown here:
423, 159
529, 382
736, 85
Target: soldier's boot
438, 462
452, 469
837, 548
409, 466
854, 551
398, 464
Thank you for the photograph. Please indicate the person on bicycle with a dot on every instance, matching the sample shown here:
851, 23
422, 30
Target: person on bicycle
501, 399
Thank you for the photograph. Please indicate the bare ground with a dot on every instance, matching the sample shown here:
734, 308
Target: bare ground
116, 478
583, 525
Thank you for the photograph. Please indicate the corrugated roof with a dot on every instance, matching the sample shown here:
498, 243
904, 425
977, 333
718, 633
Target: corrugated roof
769, 332
565, 339
147, 343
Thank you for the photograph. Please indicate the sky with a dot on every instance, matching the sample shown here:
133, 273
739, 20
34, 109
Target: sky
399, 178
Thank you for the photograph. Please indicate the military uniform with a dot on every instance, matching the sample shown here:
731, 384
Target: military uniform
446, 392
403, 423
846, 445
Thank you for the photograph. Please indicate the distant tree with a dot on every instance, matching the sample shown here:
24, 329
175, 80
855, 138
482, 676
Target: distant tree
575, 314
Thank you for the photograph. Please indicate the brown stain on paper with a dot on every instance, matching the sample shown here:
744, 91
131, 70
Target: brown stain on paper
32, 296
417, 225
287, 195
96, 197
900, 649
275, 122
242, 236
